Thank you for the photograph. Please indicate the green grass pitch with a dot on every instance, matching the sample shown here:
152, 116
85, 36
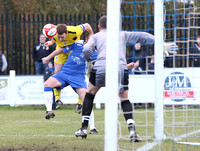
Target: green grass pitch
25, 128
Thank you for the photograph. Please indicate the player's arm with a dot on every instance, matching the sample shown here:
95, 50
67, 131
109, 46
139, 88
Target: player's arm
88, 49
139, 37
88, 28
147, 38
49, 43
46, 60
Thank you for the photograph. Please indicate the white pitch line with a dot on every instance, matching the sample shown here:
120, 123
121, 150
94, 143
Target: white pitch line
51, 121
49, 135
190, 143
149, 146
47, 121
37, 135
185, 135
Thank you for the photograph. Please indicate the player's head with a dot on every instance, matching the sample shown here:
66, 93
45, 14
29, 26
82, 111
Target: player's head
102, 22
61, 32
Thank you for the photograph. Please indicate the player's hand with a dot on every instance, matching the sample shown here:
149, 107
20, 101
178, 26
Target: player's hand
45, 60
170, 48
131, 65
86, 40
48, 43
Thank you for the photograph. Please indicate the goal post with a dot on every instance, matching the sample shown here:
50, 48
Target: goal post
159, 69
111, 105
173, 91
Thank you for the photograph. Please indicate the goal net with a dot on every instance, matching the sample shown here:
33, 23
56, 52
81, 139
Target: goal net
165, 87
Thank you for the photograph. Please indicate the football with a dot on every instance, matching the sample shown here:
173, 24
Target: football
49, 30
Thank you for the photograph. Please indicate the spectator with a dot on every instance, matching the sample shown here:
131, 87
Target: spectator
195, 51
40, 51
151, 66
3, 63
140, 59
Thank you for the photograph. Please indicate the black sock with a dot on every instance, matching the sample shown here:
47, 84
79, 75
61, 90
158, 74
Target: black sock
128, 113
127, 109
87, 109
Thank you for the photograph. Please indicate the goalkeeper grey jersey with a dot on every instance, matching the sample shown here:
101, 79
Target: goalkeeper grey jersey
98, 42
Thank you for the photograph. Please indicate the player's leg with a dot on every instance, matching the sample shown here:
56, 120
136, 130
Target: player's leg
57, 67
96, 81
87, 109
48, 95
127, 108
92, 90
79, 105
91, 116
57, 91
59, 60
93, 130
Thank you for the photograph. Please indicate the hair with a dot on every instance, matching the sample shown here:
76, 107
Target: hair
42, 35
102, 22
61, 29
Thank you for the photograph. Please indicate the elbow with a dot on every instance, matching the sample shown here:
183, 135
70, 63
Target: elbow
88, 28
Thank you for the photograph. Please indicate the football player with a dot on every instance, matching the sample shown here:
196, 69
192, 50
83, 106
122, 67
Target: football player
72, 34
72, 72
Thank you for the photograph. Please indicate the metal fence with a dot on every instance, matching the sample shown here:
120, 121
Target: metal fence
20, 32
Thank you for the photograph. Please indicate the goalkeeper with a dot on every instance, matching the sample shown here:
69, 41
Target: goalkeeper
73, 34
97, 75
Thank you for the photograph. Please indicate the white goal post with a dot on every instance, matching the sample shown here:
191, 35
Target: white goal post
159, 68
113, 27
111, 105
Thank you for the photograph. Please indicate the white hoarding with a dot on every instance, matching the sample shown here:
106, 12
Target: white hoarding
30, 90
4, 90
181, 86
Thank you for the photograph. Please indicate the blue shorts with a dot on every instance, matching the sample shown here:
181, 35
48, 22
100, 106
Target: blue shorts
75, 81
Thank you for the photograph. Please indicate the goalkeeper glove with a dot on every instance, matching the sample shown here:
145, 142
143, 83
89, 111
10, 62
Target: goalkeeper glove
170, 47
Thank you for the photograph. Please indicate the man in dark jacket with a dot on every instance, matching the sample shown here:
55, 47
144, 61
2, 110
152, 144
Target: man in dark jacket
195, 54
40, 51
3, 63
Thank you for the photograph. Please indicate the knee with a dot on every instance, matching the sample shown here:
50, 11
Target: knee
92, 90
123, 95
47, 84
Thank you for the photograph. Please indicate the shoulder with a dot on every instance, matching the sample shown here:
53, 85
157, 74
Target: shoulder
123, 33
36, 44
75, 28
55, 38
100, 33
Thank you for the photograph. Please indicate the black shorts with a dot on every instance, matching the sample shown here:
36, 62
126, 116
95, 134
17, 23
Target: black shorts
124, 81
98, 80
92, 78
